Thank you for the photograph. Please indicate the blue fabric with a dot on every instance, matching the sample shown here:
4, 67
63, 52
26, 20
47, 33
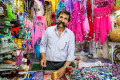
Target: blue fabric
60, 7
32, 74
37, 48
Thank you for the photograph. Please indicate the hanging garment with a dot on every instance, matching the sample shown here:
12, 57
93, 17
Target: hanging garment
54, 5
36, 49
85, 23
61, 6
89, 13
28, 24
48, 12
39, 10
104, 3
102, 23
42, 1
68, 5
39, 26
75, 23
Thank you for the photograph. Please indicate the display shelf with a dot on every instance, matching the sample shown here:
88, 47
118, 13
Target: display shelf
8, 51
113, 44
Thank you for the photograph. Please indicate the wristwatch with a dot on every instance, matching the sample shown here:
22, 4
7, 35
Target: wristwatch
65, 67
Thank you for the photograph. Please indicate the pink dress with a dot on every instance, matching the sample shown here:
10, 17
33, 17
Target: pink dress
39, 26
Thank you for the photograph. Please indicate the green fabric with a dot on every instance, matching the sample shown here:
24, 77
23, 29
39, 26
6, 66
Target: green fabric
10, 14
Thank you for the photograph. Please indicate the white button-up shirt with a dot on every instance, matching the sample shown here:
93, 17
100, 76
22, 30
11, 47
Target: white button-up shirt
58, 48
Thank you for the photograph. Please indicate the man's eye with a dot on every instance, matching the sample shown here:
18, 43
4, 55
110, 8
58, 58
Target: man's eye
60, 16
65, 18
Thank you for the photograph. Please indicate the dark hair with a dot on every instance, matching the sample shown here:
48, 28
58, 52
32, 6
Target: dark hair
65, 12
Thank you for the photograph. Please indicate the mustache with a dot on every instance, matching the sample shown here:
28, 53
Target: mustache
58, 23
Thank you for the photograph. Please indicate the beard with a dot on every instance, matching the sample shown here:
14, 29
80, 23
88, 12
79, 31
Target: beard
61, 23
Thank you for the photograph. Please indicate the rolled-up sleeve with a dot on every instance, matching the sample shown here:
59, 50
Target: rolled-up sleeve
43, 44
71, 48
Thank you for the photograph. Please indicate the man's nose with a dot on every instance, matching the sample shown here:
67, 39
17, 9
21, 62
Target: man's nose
62, 20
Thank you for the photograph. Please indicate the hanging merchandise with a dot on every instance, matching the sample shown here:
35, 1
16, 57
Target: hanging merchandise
54, 5
79, 21
102, 22
21, 5
85, 23
14, 31
75, 23
68, 5
3, 9
7, 21
110, 3
28, 8
10, 14
89, 13
48, 12
28, 24
38, 7
21, 19
61, 6
19, 59
117, 5
28, 42
42, 1
39, 26
21, 34
29, 48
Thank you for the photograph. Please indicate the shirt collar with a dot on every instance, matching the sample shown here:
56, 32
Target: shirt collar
64, 29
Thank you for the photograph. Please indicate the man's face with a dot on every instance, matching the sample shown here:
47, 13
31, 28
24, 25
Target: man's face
63, 20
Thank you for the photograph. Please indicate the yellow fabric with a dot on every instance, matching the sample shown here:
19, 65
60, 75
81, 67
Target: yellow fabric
21, 5
54, 4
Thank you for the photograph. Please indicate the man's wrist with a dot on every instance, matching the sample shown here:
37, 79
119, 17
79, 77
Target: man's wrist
65, 67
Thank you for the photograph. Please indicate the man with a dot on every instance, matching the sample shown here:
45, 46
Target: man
58, 45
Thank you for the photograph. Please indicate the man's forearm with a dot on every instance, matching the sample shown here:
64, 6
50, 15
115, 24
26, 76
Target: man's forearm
42, 55
67, 63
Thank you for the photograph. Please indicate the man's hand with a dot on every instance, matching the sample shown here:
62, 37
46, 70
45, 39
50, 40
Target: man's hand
61, 72
43, 62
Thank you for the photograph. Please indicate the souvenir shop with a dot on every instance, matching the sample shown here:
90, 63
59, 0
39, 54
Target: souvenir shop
96, 27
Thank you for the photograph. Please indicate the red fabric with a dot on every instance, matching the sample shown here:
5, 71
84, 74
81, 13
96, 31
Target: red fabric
15, 29
53, 19
89, 13
62, 1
